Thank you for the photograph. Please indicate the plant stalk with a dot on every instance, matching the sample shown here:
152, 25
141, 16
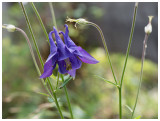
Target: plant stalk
65, 89
120, 99
68, 101
53, 15
40, 58
127, 55
40, 21
35, 63
32, 34
33, 57
141, 73
105, 47
130, 42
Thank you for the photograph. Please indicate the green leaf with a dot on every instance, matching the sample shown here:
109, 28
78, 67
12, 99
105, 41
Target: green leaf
129, 108
106, 80
138, 117
65, 77
51, 100
43, 94
65, 82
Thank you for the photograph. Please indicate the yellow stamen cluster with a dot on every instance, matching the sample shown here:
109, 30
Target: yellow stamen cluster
68, 64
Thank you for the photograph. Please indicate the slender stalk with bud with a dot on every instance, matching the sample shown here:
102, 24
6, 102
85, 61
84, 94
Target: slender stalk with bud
40, 58
82, 21
12, 28
118, 85
147, 30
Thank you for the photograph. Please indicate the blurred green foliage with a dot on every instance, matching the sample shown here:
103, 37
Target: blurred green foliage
90, 97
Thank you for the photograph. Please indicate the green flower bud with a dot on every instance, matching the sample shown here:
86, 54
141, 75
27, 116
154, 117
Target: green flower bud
77, 21
9, 27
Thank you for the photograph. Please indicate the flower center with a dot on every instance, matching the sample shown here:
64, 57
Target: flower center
68, 64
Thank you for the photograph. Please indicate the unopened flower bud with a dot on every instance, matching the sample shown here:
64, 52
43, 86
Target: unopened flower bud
77, 21
148, 28
9, 27
81, 21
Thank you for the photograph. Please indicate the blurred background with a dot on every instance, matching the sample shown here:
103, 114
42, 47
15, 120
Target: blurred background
90, 97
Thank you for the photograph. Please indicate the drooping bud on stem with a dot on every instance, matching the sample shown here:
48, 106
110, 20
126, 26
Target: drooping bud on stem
9, 27
148, 30
82, 21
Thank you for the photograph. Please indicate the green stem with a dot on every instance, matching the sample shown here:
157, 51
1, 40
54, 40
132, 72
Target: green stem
120, 106
57, 80
32, 34
65, 89
105, 46
127, 54
141, 73
40, 21
55, 99
68, 101
53, 15
39, 56
130, 41
35, 63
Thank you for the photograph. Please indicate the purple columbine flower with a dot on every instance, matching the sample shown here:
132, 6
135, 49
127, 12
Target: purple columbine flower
68, 56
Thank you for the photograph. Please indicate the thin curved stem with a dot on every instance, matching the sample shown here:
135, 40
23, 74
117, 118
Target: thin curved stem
30, 48
32, 34
68, 101
105, 46
141, 73
40, 58
40, 21
36, 65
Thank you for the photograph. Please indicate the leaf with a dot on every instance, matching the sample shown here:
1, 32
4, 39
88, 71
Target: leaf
138, 117
65, 82
43, 94
64, 76
106, 80
51, 100
129, 108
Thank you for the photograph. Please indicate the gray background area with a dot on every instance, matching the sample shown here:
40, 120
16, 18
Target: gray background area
116, 26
